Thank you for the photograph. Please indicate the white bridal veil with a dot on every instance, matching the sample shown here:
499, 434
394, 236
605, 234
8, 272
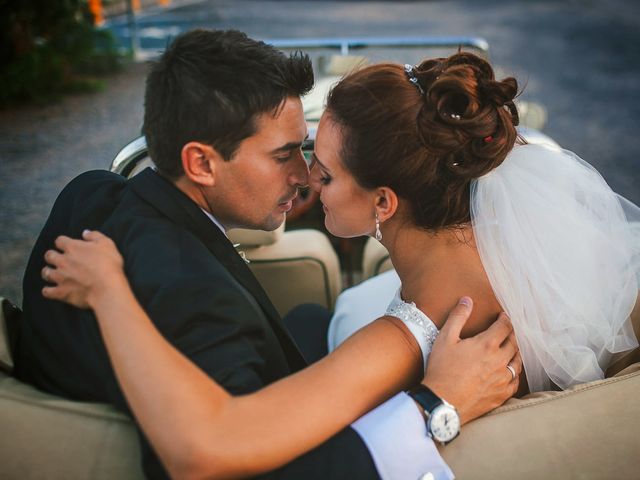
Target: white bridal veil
562, 253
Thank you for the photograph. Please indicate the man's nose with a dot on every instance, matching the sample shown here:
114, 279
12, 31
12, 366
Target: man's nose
300, 174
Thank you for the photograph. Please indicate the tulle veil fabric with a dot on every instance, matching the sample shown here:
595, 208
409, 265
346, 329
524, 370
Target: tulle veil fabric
562, 253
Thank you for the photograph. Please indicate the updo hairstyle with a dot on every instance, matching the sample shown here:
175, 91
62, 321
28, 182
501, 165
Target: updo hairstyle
426, 146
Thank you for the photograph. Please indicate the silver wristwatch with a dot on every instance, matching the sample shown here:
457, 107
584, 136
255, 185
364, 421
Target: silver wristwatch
441, 418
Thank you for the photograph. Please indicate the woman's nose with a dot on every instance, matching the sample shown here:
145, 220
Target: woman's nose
314, 178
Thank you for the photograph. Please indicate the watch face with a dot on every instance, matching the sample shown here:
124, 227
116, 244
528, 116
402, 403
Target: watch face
444, 423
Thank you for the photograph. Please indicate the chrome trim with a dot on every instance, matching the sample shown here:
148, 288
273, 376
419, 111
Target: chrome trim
346, 44
129, 156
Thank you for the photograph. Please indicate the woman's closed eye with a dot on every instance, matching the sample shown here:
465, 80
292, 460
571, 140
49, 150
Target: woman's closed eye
325, 179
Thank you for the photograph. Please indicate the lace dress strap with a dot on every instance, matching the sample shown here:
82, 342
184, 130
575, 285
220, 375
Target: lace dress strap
421, 326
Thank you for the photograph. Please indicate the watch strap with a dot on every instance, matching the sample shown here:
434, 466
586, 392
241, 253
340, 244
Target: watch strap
425, 398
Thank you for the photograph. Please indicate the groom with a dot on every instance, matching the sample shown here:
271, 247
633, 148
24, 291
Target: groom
224, 126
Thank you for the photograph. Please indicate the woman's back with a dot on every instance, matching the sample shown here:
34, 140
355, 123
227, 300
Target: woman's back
438, 269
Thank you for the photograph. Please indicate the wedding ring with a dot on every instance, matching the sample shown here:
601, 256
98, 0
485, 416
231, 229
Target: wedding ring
513, 372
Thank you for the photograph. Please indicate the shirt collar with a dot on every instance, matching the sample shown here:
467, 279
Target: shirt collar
215, 221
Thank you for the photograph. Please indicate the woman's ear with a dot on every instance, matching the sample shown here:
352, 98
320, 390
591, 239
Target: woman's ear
386, 203
199, 163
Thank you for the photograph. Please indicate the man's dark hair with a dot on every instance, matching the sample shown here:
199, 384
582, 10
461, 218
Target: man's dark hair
209, 86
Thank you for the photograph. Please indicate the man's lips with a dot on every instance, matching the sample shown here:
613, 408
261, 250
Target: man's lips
287, 204
290, 199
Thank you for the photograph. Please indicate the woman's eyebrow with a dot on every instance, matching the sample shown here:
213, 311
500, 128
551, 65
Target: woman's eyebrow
315, 159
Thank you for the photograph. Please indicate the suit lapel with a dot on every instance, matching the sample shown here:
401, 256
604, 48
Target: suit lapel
174, 204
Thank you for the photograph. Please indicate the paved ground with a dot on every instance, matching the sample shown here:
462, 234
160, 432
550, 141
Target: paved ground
41, 149
579, 58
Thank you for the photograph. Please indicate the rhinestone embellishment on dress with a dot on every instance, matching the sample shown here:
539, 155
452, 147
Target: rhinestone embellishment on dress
409, 313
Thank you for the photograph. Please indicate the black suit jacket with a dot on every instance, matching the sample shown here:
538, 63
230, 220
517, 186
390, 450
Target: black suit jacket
195, 287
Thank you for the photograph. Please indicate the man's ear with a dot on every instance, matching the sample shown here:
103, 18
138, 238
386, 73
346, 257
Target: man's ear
386, 203
199, 162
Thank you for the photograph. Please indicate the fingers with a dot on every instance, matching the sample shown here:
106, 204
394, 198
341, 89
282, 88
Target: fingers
499, 331
53, 258
507, 350
514, 367
45, 274
507, 358
93, 235
51, 275
63, 242
516, 363
53, 293
64, 295
511, 340
509, 346
457, 319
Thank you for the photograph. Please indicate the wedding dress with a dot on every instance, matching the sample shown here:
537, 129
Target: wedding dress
420, 325
562, 253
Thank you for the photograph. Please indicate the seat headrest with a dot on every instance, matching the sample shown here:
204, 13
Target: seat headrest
255, 238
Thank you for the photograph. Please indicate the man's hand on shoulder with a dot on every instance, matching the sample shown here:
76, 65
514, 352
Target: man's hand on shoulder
473, 374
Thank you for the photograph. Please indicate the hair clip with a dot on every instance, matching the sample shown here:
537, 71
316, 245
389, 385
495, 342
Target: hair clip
455, 116
409, 70
488, 139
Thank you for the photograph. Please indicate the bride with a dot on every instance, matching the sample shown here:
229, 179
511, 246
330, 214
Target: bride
437, 172
427, 160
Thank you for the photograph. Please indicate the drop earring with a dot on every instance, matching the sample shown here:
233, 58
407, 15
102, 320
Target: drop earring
378, 232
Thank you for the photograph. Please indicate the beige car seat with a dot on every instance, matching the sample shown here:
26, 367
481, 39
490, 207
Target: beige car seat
44, 436
293, 267
375, 259
587, 432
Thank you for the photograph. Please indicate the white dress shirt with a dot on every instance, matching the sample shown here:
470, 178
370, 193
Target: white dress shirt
215, 221
396, 436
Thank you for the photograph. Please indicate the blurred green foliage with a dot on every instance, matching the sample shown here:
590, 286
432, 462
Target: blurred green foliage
49, 47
